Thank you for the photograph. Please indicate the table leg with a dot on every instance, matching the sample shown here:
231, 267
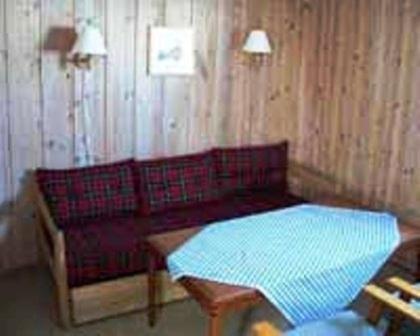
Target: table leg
215, 323
152, 288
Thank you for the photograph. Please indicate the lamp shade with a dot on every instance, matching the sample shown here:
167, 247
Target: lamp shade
257, 43
90, 42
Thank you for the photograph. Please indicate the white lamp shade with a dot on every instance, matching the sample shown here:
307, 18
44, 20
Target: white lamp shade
257, 43
90, 42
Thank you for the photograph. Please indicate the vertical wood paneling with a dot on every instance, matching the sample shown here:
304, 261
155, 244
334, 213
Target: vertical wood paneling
221, 101
178, 14
202, 89
56, 85
157, 97
89, 86
341, 85
23, 24
120, 81
5, 167
147, 16
4, 115
239, 114
358, 119
23, 20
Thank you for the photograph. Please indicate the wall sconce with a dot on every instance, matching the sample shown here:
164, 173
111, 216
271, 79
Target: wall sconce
257, 43
89, 43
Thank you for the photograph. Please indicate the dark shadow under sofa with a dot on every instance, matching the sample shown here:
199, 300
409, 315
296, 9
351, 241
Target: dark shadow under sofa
93, 221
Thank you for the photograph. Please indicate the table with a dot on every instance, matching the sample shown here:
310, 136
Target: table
216, 299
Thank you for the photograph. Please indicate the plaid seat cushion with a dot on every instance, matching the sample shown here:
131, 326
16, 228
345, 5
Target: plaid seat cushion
245, 168
110, 247
176, 182
245, 204
88, 192
104, 248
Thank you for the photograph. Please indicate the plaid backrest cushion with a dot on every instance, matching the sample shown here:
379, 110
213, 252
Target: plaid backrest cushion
74, 194
251, 167
176, 182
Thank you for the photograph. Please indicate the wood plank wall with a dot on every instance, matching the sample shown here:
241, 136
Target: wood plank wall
341, 85
42, 99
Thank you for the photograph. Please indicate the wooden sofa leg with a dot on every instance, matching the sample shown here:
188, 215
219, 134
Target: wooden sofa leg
61, 285
63, 304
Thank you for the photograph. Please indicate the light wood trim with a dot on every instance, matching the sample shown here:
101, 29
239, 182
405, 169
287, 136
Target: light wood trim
392, 302
56, 257
326, 188
119, 296
45, 226
45, 212
314, 178
405, 287
265, 329
60, 276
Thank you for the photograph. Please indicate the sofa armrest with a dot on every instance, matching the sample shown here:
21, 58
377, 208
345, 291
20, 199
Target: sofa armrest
45, 212
316, 187
321, 189
49, 233
52, 243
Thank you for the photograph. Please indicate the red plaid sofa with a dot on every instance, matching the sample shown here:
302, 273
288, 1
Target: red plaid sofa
106, 212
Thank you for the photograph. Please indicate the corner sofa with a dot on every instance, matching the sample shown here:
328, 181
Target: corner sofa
94, 221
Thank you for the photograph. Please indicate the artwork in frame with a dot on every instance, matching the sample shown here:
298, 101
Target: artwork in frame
171, 51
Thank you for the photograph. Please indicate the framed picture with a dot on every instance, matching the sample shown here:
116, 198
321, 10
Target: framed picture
171, 51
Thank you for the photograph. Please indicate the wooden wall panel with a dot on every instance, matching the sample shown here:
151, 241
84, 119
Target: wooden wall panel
356, 109
221, 102
43, 97
25, 114
178, 14
56, 84
120, 80
4, 114
148, 14
89, 87
5, 167
341, 85
199, 119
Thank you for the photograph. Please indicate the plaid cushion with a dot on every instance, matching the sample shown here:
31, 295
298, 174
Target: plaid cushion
230, 207
251, 167
107, 248
244, 204
104, 248
88, 192
176, 182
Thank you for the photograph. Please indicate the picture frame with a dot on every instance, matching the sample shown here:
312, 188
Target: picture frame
171, 51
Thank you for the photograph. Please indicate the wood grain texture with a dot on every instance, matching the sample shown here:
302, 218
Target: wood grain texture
120, 83
5, 158
119, 296
341, 86
25, 131
56, 85
89, 87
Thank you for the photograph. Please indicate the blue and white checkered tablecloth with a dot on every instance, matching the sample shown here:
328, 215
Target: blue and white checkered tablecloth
310, 261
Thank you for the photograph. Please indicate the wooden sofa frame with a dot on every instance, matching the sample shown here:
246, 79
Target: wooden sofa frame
92, 302
126, 294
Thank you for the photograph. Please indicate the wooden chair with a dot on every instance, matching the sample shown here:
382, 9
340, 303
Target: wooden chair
350, 323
